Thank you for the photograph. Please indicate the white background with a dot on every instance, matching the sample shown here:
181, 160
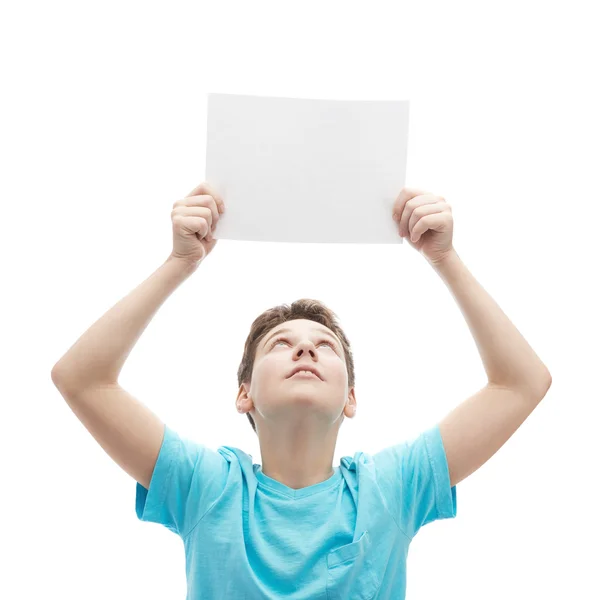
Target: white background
103, 129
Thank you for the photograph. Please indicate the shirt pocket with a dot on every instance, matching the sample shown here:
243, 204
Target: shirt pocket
350, 572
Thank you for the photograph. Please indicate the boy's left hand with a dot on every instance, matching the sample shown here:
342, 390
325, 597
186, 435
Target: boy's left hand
426, 221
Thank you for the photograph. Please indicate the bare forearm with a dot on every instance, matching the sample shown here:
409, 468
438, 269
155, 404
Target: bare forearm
99, 354
507, 357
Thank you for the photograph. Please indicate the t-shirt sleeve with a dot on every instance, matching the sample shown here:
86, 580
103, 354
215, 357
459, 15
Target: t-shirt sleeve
414, 479
187, 479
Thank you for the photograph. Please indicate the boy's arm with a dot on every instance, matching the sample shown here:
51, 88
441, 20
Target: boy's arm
517, 379
129, 432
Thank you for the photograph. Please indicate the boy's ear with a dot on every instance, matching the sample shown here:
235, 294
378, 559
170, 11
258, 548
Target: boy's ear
243, 402
350, 408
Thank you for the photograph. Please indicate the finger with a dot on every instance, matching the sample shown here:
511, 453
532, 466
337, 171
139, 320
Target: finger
403, 197
420, 212
193, 216
194, 224
197, 206
436, 221
409, 207
199, 190
206, 189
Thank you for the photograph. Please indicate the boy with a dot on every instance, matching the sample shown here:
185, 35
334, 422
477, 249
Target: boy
295, 526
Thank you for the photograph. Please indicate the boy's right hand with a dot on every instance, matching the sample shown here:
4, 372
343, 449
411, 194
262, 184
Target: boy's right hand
194, 220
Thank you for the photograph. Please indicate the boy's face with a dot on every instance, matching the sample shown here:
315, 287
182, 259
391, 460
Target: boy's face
278, 397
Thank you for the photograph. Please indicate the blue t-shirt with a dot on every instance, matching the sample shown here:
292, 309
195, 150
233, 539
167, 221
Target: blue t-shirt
250, 537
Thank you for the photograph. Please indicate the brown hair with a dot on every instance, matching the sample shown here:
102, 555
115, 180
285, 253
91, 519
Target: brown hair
301, 309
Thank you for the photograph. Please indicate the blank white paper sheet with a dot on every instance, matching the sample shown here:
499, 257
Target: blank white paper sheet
302, 170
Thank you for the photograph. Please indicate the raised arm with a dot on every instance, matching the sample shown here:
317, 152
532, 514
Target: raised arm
87, 376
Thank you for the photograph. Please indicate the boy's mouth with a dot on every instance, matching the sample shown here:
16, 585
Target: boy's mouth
304, 374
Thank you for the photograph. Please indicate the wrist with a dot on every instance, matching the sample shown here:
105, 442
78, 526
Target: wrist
447, 258
184, 265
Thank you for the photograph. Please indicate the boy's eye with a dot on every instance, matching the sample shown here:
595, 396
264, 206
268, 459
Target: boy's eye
321, 342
